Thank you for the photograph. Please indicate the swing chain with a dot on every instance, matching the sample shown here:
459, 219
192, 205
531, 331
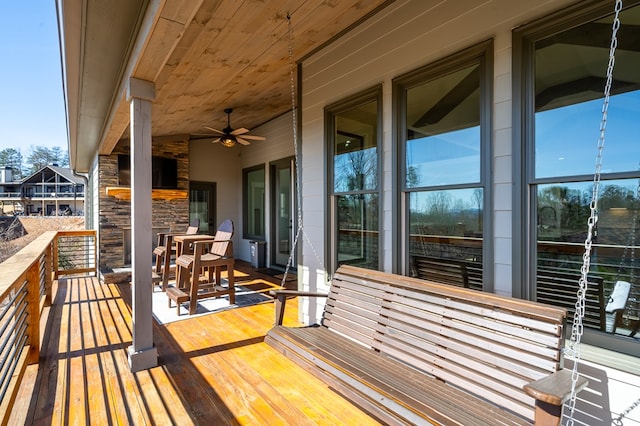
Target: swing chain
294, 124
573, 348
618, 420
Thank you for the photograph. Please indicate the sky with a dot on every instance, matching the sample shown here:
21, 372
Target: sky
32, 108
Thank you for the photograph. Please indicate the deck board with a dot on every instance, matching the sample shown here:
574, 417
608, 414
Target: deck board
213, 369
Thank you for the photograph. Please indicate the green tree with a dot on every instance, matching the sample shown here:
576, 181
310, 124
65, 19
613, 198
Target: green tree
11, 157
42, 156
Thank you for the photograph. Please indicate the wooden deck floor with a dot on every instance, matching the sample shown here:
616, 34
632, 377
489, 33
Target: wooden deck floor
213, 369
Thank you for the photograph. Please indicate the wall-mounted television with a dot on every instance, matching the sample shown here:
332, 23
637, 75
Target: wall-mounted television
164, 172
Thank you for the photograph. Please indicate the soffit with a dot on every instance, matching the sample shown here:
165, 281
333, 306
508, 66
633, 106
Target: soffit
203, 55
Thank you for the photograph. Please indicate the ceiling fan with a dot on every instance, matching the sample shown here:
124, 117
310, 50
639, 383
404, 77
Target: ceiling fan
228, 136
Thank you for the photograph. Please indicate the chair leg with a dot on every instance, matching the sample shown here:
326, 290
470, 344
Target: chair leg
182, 277
166, 268
193, 285
193, 293
232, 287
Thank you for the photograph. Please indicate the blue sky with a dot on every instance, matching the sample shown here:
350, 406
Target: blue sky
32, 107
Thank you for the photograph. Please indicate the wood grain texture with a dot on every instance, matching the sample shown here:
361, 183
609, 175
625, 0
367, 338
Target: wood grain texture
213, 369
212, 55
380, 329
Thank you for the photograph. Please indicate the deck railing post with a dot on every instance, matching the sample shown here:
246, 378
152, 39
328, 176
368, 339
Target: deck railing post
95, 251
48, 274
56, 241
33, 308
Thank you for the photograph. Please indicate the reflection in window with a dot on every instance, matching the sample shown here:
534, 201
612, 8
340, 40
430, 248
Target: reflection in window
560, 247
570, 71
444, 130
253, 212
354, 148
570, 74
446, 227
357, 235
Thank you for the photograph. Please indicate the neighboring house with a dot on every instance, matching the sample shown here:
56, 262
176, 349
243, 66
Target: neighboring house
51, 191
460, 130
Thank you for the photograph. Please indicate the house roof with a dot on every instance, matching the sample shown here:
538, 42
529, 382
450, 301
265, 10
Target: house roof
203, 56
49, 172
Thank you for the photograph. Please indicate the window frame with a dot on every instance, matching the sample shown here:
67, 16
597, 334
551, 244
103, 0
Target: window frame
481, 54
525, 183
330, 112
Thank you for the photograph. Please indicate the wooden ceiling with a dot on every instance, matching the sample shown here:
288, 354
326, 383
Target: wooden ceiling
228, 54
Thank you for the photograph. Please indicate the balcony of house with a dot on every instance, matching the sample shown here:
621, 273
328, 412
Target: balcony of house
10, 195
47, 195
66, 337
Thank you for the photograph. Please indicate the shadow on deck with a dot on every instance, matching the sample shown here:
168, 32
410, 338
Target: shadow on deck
212, 369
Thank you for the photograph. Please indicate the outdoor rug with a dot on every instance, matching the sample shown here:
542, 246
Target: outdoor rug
246, 295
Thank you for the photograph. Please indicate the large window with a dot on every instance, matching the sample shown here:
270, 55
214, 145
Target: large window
253, 183
566, 65
353, 129
444, 129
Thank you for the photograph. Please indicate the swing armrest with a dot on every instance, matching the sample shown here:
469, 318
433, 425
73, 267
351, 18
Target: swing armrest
550, 393
281, 300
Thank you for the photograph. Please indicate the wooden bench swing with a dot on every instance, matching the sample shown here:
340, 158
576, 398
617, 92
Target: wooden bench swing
411, 351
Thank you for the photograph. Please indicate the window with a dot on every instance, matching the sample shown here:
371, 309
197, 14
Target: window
566, 64
354, 183
253, 213
443, 134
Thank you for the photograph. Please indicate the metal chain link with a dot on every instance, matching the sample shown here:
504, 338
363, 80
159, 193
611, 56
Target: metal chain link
573, 349
618, 420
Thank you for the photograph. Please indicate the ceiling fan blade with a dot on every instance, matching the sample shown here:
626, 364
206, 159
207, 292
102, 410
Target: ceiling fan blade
254, 138
214, 130
242, 141
215, 139
240, 131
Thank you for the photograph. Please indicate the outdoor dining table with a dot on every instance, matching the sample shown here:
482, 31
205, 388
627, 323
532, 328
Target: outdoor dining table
184, 243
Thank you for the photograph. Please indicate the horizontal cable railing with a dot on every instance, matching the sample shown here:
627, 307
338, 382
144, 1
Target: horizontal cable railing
25, 289
76, 252
13, 336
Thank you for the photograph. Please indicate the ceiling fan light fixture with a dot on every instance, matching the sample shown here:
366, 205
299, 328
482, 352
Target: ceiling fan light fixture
228, 141
229, 136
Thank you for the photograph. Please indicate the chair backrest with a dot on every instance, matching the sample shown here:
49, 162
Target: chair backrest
222, 239
194, 226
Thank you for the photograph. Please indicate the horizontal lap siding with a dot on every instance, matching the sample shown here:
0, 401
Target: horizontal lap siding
486, 344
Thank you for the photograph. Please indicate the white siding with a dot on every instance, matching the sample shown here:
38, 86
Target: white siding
279, 144
405, 36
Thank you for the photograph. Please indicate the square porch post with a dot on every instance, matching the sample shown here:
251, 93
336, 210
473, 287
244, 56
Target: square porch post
142, 353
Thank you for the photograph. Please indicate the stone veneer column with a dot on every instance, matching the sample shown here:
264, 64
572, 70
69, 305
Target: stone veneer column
142, 352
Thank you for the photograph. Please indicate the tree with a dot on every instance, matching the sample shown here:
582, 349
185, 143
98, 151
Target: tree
11, 157
42, 156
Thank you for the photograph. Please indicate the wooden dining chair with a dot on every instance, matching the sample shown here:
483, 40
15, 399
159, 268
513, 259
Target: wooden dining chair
198, 275
162, 269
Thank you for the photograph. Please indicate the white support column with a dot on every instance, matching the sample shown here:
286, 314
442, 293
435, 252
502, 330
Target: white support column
142, 353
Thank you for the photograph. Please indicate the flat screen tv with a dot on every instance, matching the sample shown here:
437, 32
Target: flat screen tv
164, 172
